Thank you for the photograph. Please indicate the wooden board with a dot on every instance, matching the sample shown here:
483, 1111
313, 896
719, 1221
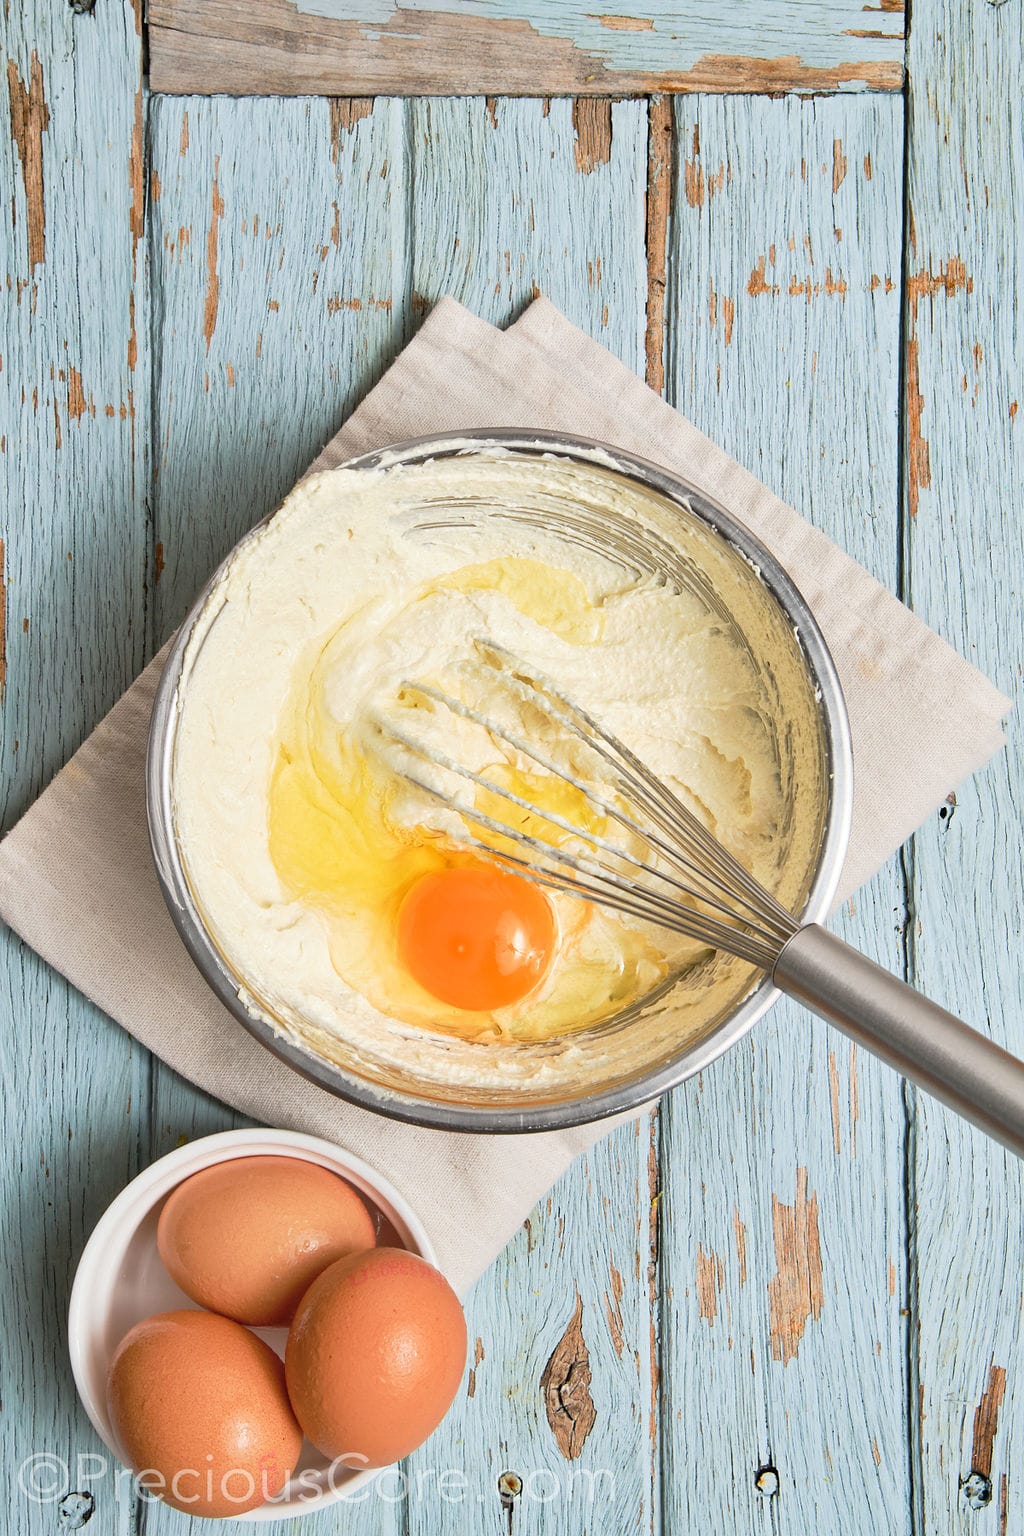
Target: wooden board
964, 559
74, 442
555, 47
782, 1266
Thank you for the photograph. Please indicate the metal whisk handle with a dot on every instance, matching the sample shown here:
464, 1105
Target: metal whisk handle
944, 1055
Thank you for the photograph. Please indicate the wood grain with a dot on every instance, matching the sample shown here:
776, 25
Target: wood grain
782, 1262
74, 434
964, 467
555, 47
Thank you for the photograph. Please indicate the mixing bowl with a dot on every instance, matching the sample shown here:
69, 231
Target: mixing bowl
654, 526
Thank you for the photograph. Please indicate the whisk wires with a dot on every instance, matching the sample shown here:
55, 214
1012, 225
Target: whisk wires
669, 869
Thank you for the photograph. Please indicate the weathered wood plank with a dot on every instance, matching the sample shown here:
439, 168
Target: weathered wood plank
964, 556
74, 434
513, 198
556, 47
277, 299
510, 197
782, 1267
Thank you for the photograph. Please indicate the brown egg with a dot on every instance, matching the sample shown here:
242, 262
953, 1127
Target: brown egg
247, 1237
199, 1404
375, 1356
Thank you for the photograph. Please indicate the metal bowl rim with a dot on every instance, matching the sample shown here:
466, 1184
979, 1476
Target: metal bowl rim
624, 1096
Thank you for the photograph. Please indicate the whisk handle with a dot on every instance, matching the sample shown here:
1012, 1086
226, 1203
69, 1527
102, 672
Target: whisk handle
967, 1071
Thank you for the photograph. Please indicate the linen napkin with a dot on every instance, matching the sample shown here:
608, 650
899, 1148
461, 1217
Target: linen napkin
76, 877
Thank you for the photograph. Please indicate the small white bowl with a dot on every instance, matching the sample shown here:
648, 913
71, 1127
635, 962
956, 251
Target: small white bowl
120, 1280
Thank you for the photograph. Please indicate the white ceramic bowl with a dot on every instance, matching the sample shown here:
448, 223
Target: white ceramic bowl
120, 1280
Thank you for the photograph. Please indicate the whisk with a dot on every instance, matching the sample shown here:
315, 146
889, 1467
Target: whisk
649, 856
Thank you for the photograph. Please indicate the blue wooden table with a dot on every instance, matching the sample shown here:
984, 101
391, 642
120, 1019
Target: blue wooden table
790, 1300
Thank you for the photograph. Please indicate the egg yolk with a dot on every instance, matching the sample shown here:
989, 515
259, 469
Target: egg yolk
476, 937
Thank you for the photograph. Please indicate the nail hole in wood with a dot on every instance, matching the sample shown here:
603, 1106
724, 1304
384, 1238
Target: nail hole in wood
977, 1489
766, 1481
76, 1510
510, 1486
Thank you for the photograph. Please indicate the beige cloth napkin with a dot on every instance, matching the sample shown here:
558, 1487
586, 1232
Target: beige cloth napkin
76, 879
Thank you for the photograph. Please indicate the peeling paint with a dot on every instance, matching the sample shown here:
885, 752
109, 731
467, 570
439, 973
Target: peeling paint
951, 279
133, 339
986, 1420
345, 112
30, 119
833, 1088
592, 126
456, 50
613, 1310
757, 283
838, 165
212, 281
728, 317
919, 473
795, 1295
478, 1355
658, 212
136, 180
741, 1245
693, 173
565, 1384
627, 23
734, 74
854, 1100
76, 397
710, 1279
